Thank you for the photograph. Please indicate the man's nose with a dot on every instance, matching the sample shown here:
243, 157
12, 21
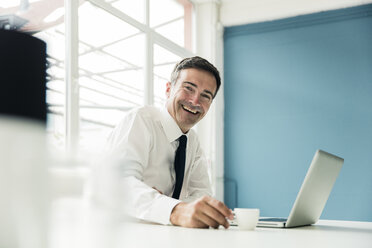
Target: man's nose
195, 98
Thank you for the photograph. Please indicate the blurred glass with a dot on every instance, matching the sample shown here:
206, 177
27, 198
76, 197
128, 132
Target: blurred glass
24, 196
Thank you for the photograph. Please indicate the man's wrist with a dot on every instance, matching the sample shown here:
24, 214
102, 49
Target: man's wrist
175, 214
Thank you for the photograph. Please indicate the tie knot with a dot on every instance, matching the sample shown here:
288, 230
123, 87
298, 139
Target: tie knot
183, 140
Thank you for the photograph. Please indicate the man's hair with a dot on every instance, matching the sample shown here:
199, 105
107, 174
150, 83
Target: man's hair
197, 63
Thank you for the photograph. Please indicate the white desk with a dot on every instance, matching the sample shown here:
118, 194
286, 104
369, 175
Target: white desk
72, 232
324, 234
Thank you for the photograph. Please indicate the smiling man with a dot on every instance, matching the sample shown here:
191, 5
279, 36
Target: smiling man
164, 173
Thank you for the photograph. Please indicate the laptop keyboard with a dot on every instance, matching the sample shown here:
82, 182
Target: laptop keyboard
273, 219
234, 222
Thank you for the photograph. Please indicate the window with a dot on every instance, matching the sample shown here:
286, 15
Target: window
164, 62
126, 52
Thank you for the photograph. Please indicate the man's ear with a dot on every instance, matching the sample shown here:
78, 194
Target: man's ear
168, 89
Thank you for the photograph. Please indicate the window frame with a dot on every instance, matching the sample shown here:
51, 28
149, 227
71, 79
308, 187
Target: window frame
72, 106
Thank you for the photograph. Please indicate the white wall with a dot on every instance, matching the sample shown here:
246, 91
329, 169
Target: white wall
238, 12
209, 38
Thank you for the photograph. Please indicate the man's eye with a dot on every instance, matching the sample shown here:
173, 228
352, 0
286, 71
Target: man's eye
189, 88
206, 97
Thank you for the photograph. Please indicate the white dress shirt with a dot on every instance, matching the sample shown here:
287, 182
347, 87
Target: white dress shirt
144, 145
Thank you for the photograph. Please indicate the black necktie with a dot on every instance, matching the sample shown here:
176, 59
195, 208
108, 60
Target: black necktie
179, 165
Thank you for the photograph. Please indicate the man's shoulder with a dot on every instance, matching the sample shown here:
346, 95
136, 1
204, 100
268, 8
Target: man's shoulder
192, 133
147, 109
193, 137
144, 117
143, 114
146, 112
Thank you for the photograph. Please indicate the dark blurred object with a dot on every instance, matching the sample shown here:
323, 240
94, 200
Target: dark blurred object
11, 22
22, 75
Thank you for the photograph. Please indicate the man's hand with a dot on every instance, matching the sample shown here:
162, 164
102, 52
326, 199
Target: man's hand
204, 212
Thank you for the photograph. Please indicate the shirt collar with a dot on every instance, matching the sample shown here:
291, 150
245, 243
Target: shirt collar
171, 129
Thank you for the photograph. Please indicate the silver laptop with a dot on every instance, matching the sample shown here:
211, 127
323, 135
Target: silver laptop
313, 194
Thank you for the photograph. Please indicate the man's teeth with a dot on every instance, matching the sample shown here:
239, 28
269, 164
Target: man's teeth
190, 110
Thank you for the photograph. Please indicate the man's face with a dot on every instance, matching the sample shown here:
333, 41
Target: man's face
189, 99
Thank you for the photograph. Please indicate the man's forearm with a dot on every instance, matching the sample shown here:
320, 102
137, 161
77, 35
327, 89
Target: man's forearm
144, 202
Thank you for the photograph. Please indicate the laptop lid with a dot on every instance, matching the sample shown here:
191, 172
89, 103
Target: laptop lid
315, 189
314, 192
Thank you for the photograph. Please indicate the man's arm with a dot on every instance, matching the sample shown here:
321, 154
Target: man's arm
143, 202
127, 155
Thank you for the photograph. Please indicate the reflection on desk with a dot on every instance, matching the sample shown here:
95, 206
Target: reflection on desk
95, 233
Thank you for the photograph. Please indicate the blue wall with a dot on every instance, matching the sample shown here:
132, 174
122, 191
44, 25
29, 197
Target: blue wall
293, 86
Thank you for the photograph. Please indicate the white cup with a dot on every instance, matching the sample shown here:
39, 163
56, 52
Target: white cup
247, 218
